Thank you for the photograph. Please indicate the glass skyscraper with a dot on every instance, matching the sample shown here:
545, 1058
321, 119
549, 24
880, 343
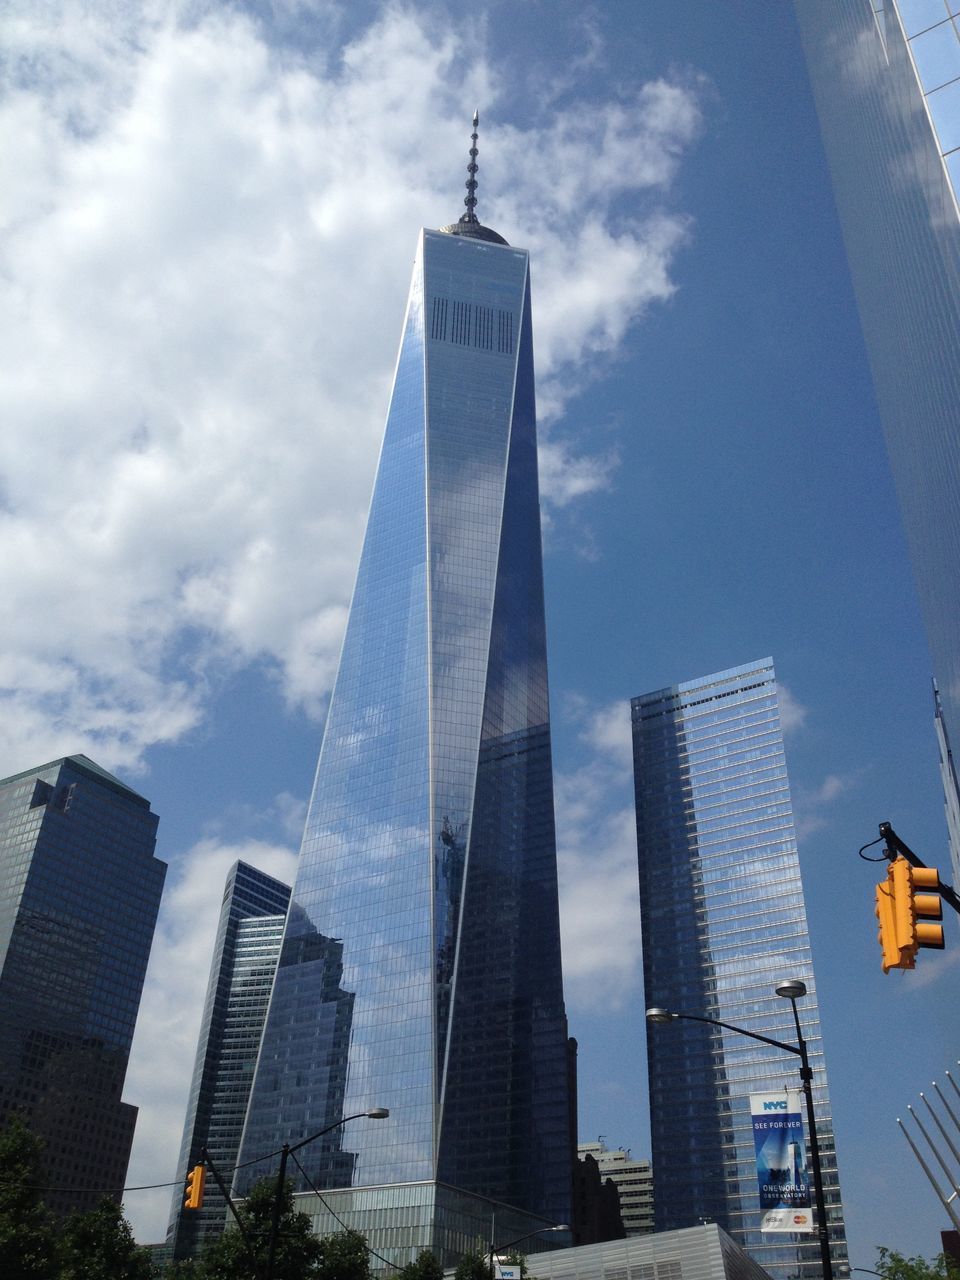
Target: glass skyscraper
420, 967
723, 921
886, 81
79, 894
244, 963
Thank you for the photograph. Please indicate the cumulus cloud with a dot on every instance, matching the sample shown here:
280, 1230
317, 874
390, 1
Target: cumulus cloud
168, 1027
793, 714
812, 805
207, 236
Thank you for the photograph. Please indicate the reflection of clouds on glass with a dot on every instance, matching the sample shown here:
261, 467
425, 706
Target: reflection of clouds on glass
308, 1004
371, 725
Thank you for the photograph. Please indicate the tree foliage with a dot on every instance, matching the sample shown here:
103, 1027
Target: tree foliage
895, 1266
344, 1256
99, 1245
27, 1240
183, 1269
474, 1266
236, 1255
515, 1259
426, 1267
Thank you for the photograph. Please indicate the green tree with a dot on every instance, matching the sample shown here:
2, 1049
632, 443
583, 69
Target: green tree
515, 1259
99, 1245
184, 1269
238, 1256
473, 1266
344, 1256
426, 1267
27, 1241
894, 1266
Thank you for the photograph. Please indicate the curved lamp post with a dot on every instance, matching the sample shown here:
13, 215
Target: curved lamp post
501, 1248
791, 990
378, 1113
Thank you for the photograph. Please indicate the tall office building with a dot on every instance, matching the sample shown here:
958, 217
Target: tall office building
633, 1180
886, 80
723, 922
244, 963
423, 940
79, 894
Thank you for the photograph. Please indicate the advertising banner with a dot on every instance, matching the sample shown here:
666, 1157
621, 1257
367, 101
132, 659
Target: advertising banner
781, 1161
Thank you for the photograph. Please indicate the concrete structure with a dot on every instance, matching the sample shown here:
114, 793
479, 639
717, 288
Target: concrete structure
699, 1253
633, 1180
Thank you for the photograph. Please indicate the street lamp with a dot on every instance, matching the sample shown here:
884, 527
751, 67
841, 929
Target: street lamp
501, 1248
377, 1113
791, 989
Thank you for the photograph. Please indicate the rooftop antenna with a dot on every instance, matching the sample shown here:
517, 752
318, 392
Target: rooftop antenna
468, 224
470, 200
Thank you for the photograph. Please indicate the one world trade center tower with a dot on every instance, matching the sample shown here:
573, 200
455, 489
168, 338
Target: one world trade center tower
420, 968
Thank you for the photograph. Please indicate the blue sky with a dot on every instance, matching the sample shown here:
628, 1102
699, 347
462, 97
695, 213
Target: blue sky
210, 216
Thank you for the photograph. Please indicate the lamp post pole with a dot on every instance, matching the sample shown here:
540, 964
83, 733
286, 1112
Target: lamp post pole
790, 990
378, 1113
495, 1248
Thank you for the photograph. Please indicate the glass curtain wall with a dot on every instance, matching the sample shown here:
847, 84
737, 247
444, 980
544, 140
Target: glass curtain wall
429, 858
723, 921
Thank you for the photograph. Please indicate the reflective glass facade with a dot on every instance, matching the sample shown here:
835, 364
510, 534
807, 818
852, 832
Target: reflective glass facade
399, 1221
79, 894
244, 963
723, 922
886, 80
951, 785
421, 962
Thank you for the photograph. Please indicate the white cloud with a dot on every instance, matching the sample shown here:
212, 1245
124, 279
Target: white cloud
812, 805
207, 240
793, 714
168, 1027
609, 730
597, 851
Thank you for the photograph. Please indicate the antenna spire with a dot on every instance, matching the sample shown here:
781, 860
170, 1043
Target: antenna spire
470, 200
468, 224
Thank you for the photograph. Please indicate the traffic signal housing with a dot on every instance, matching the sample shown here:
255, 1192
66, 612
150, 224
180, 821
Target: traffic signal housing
904, 914
887, 933
196, 1179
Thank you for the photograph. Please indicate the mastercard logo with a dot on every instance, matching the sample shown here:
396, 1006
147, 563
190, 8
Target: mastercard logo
799, 1217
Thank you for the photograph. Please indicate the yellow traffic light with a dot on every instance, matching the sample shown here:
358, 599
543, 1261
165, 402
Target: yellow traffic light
887, 933
195, 1183
928, 906
899, 908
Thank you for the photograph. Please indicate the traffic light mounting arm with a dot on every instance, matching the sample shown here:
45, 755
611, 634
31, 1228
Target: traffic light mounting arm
224, 1191
896, 848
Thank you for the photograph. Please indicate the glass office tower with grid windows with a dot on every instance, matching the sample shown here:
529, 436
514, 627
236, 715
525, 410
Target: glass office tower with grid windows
429, 852
79, 894
249, 934
723, 921
886, 81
